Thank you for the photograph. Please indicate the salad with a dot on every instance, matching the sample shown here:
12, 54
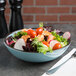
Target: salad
42, 39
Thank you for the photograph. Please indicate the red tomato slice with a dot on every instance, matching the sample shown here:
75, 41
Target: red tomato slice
32, 33
39, 30
45, 43
29, 31
57, 46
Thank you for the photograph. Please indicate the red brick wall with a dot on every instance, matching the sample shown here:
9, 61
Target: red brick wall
47, 11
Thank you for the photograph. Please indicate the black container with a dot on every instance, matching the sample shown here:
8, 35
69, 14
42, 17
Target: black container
3, 24
16, 21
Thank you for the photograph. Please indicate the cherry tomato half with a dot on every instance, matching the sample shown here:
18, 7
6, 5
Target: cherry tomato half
45, 43
39, 30
32, 33
57, 46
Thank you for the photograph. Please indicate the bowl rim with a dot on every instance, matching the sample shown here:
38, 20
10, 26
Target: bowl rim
4, 40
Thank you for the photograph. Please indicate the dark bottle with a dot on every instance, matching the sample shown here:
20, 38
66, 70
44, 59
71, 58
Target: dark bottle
16, 21
3, 24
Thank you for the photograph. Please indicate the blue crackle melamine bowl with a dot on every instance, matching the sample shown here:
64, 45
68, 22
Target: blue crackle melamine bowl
35, 57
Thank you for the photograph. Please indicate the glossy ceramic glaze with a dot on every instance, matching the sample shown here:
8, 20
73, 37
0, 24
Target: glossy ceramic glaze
35, 57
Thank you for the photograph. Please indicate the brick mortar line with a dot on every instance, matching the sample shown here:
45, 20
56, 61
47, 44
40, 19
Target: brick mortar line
44, 22
47, 22
49, 14
42, 6
50, 6
58, 2
34, 18
34, 1
40, 21
58, 17
70, 10
46, 11
31, 14
51, 21
70, 22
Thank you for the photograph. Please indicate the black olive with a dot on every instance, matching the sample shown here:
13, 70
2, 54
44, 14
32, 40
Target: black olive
61, 33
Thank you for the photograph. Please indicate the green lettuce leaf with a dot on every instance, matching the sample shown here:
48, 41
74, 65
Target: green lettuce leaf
59, 38
41, 48
20, 33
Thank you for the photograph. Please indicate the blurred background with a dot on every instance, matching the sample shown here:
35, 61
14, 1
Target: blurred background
47, 11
